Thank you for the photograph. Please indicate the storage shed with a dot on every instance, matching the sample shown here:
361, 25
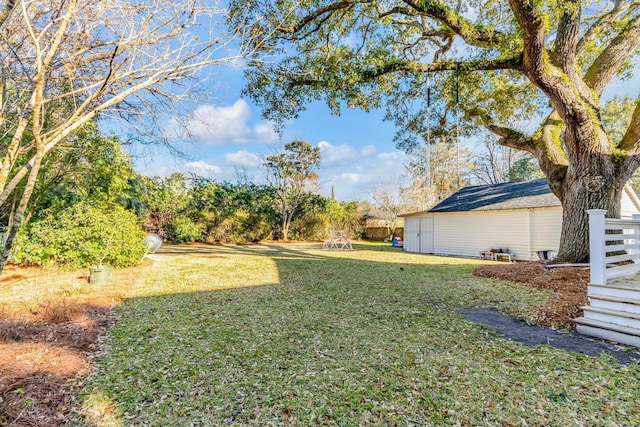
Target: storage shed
522, 216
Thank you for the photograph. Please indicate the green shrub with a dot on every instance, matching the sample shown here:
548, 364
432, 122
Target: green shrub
183, 229
82, 235
241, 226
310, 226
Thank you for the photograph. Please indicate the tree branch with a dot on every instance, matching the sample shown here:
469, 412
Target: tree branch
567, 38
566, 92
317, 13
473, 34
611, 59
6, 11
631, 139
513, 63
533, 25
605, 21
398, 10
508, 137
476, 35
551, 158
544, 145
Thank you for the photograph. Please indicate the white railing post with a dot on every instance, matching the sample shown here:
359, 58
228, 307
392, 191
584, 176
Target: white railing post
636, 239
597, 246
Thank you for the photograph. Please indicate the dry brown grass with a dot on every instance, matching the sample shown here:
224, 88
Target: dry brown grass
50, 323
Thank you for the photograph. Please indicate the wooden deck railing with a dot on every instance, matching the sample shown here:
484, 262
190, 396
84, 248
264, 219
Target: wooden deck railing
614, 246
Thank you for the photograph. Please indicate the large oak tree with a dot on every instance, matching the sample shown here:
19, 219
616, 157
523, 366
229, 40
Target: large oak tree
487, 59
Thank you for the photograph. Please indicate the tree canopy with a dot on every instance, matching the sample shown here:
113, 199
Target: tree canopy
476, 62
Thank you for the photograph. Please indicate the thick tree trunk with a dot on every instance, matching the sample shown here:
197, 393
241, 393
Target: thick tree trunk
579, 195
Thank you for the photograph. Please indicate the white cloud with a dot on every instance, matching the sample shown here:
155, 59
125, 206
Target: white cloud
243, 160
356, 178
263, 132
396, 155
391, 160
335, 155
369, 150
228, 125
202, 169
352, 172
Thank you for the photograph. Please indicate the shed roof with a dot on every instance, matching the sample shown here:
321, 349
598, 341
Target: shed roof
507, 195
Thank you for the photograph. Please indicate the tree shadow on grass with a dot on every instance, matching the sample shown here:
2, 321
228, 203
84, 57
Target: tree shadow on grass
218, 250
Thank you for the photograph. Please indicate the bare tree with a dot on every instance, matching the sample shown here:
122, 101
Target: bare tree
64, 62
436, 171
390, 201
493, 163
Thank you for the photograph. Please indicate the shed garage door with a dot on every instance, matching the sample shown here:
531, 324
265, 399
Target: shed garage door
412, 234
418, 234
426, 235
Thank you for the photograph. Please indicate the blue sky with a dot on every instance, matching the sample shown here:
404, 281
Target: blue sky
357, 147
230, 136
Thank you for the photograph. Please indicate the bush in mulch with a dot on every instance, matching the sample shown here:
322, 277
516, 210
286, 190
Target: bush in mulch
568, 283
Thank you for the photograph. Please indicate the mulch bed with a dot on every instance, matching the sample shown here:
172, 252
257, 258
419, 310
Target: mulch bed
568, 283
47, 336
41, 362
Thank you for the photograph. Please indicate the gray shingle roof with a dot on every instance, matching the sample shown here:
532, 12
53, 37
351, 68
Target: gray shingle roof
507, 195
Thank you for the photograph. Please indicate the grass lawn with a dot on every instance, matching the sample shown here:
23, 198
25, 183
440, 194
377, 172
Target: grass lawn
292, 335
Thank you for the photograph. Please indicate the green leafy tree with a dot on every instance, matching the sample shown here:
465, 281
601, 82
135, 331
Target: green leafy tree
234, 212
88, 166
184, 229
164, 200
524, 169
346, 216
310, 219
487, 61
291, 173
616, 117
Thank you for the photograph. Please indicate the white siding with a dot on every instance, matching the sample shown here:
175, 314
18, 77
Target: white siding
469, 233
546, 226
523, 231
628, 206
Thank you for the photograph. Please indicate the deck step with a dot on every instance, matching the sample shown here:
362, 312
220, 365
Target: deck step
623, 292
608, 331
617, 317
628, 305
616, 299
